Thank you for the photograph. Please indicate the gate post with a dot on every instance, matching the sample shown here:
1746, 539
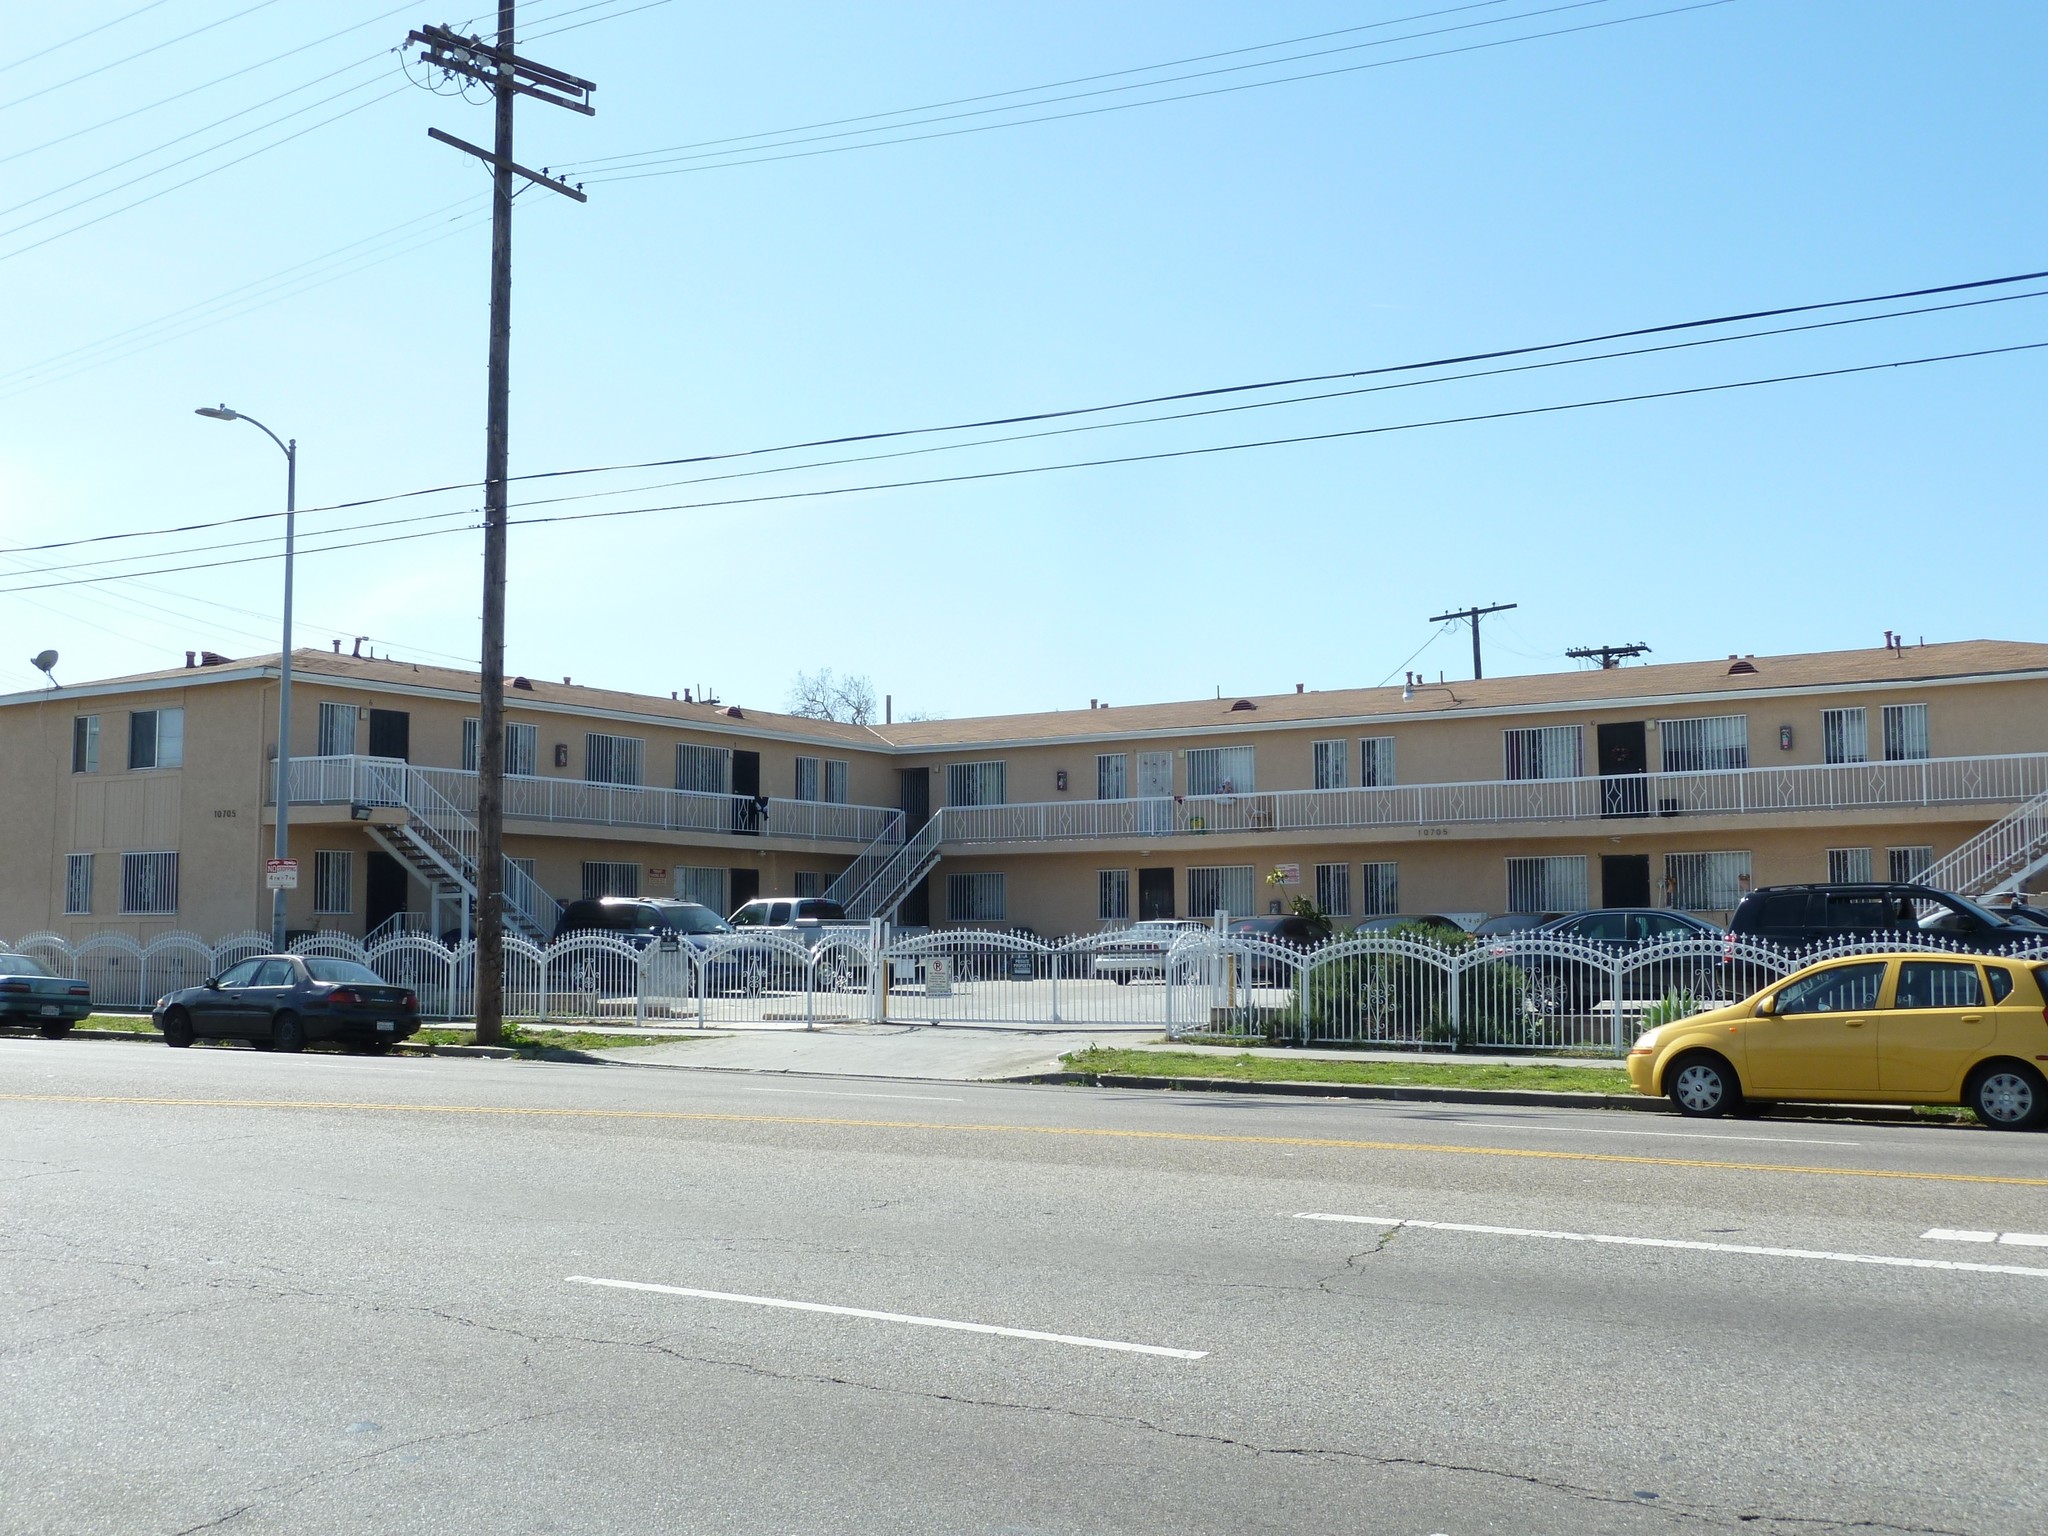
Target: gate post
1454, 976
878, 970
1614, 1002
1053, 956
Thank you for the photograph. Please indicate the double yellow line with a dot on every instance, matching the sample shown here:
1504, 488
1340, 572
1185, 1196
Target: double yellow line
707, 1117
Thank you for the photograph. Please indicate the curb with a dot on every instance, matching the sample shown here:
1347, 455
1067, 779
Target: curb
1526, 1098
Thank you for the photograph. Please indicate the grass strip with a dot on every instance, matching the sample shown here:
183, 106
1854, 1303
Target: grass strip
1395, 1074
532, 1042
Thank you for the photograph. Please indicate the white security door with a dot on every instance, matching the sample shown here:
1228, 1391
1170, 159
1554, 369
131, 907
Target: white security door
1155, 792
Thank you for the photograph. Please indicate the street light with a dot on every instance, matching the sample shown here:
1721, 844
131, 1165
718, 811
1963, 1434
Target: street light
290, 450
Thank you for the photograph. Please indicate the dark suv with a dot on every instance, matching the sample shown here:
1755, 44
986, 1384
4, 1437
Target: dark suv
1798, 915
639, 920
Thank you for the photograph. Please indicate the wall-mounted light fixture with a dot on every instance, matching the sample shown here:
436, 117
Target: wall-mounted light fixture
1059, 781
358, 812
1784, 738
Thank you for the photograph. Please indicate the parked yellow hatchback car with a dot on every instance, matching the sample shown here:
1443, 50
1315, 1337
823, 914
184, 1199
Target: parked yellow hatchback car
1912, 1027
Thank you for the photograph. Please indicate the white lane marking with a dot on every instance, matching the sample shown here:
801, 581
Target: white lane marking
2025, 1239
1956, 1235
1594, 1130
896, 1317
833, 1093
1884, 1260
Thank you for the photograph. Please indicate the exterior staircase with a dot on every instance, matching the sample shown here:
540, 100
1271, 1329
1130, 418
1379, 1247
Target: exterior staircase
875, 884
2000, 859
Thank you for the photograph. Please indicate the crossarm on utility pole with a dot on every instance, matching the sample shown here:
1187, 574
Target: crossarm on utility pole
511, 165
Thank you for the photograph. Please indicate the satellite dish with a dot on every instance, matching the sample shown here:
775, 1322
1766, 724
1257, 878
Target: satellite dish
45, 662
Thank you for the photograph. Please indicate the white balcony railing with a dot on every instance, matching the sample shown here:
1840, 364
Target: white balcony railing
347, 780
1729, 792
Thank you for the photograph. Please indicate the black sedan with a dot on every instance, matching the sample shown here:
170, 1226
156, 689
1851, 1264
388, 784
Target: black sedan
280, 1002
31, 993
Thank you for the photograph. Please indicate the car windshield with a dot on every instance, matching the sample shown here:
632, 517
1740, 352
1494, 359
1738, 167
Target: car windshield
21, 965
341, 970
689, 917
750, 916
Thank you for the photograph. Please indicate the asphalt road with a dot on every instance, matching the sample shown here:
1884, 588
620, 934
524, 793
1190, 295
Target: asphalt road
248, 1293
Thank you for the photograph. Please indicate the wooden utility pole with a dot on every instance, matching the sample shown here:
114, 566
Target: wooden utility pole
1475, 615
1609, 656
508, 76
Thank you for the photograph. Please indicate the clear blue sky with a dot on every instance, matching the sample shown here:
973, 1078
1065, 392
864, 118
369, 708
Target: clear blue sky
1743, 155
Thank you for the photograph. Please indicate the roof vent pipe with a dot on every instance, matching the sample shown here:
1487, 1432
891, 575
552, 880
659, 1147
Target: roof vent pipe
191, 659
888, 709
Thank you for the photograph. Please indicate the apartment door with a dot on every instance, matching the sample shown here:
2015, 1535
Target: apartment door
1155, 893
742, 885
391, 734
1624, 760
1624, 880
385, 890
916, 910
746, 814
915, 798
1155, 799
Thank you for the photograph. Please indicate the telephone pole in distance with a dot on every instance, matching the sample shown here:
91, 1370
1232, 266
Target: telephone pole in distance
1609, 656
508, 76
1475, 615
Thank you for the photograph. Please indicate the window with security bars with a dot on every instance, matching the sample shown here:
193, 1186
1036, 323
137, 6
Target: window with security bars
149, 882
156, 738
975, 784
612, 759
809, 883
1222, 770
1112, 895
85, 744
1905, 732
1333, 769
809, 778
1224, 888
1706, 744
522, 746
77, 884
1375, 762
609, 878
1845, 735
1706, 882
1543, 752
835, 781
1550, 883
337, 730
977, 898
1112, 775
1848, 866
703, 885
1379, 889
333, 882
1907, 865
703, 770
1333, 889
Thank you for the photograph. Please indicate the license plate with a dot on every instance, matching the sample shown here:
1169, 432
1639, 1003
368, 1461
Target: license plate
50, 1010
387, 1024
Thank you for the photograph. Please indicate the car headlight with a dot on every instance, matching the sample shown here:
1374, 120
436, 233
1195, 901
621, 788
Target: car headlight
1647, 1040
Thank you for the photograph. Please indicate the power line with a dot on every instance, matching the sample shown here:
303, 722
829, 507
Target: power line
1139, 458
645, 5
79, 37
139, 54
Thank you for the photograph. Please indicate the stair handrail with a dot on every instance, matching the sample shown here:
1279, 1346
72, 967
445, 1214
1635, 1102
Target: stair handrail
853, 880
442, 826
902, 871
1990, 853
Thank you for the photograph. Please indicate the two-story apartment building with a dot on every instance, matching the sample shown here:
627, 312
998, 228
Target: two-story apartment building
145, 803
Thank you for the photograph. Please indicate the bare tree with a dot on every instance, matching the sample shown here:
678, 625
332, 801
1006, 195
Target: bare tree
824, 695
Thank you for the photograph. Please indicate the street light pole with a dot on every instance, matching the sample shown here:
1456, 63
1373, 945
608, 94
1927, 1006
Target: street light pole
282, 845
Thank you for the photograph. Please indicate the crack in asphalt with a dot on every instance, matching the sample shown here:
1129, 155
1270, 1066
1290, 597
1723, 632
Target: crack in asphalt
1351, 1263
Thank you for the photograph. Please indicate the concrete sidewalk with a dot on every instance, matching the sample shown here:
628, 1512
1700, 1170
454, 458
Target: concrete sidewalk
944, 1052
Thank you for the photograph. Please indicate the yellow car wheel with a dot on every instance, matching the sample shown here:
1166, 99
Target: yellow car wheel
1703, 1086
2007, 1096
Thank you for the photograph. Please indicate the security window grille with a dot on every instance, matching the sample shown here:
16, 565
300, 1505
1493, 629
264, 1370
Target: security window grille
1706, 882
1848, 866
1705, 745
149, 882
1379, 889
1908, 864
1222, 770
977, 898
332, 881
1112, 894
703, 770
337, 730
85, 744
1845, 735
1333, 889
1225, 888
1332, 769
1112, 775
1375, 762
809, 883
1905, 732
156, 738
704, 886
1554, 883
522, 746
975, 784
1543, 752
612, 759
77, 884
604, 878
807, 778
835, 781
